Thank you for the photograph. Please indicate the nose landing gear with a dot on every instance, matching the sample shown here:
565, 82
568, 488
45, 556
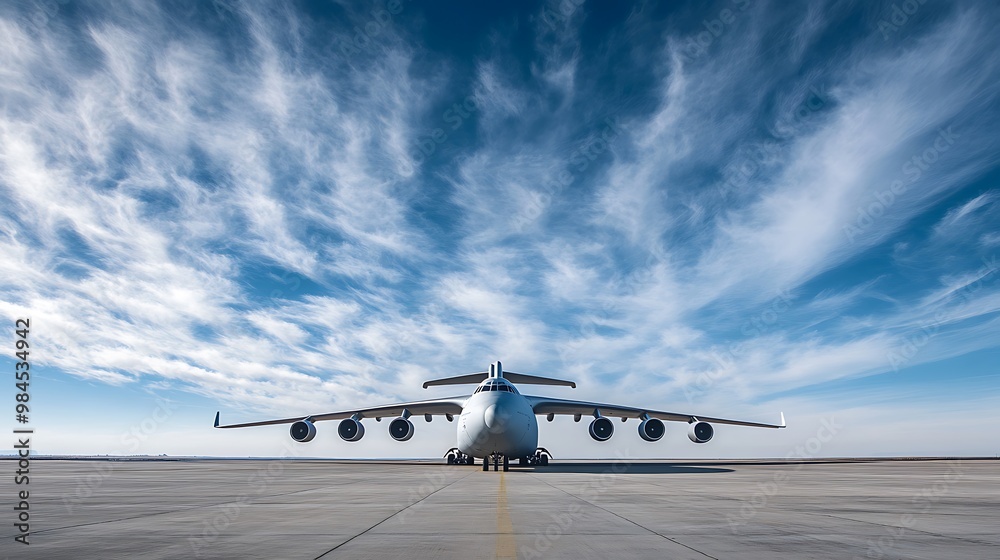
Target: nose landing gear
497, 459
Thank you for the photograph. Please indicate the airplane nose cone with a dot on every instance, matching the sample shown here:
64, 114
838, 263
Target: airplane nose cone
490, 416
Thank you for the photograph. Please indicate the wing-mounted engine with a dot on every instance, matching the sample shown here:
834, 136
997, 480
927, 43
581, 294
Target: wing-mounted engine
303, 431
651, 429
700, 432
601, 429
401, 429
351, 429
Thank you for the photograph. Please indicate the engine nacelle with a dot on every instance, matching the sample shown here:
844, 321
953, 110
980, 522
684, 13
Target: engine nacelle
351, 429
701, 432
601, 429
651, 429
303, 431
401, 429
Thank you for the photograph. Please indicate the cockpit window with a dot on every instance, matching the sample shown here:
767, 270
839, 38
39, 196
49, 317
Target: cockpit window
495, 386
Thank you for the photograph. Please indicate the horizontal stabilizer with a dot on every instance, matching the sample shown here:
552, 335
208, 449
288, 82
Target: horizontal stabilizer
536, 380
458, 380
475, 378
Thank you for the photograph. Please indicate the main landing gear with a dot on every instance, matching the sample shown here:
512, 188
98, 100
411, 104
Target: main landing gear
456, 457
539, 459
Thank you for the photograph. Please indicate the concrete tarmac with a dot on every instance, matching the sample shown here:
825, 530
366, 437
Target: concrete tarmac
386, 510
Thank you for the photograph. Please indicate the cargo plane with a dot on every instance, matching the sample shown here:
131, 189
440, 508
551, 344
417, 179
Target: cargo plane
496, 423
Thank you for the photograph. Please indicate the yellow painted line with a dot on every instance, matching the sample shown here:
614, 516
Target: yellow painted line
506, 543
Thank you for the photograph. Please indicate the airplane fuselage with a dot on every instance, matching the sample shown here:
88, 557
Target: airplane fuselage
497, 422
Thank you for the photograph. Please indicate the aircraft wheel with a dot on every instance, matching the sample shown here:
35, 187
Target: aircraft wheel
522, 461
544, 460
486, 464
451, 459
506, 464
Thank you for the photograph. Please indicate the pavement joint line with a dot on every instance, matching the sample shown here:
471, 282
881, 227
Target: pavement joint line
180, 510
629, 520
906, 528
725, 497
395, 514
692, 494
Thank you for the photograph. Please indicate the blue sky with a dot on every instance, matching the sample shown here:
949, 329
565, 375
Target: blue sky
732, 208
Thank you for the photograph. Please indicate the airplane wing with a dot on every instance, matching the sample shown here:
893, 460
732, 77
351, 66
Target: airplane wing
450, 406
546, 405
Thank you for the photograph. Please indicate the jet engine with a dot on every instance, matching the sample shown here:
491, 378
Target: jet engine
401, 429
351, 429
701, 432
303, 431
651, 429
601, 429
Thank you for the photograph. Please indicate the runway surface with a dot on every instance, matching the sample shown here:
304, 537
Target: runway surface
406, 510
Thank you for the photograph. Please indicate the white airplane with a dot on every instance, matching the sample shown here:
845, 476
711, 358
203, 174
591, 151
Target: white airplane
497, 422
